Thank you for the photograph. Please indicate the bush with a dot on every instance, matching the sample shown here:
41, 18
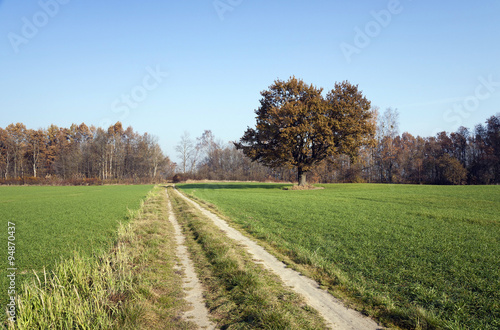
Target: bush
79, 181
180, 178
29, 180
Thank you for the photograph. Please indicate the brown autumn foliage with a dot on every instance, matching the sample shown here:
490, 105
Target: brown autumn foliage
84, 155
461, 157
80, 155
298, 127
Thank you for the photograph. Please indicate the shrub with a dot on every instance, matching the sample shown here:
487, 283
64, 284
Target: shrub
179, 178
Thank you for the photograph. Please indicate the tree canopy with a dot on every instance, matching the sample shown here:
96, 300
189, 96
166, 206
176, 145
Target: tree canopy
298, 127
78, 153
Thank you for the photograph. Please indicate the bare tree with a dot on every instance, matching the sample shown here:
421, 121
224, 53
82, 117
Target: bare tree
389, 124
36, 141
387, 131
17, 134
185, 150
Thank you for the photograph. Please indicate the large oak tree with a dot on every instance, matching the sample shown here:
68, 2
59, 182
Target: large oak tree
298, 127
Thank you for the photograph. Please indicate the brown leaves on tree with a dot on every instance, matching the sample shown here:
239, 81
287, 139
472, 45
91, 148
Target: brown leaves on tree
298, 127
80, 152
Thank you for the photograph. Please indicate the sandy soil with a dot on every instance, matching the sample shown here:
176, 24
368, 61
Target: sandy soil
333, 311
191, 285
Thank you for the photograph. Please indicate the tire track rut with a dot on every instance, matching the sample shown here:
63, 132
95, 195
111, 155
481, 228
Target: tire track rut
191, 284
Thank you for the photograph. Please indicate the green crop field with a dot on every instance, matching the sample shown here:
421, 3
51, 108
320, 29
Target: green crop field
418, 256
53, 222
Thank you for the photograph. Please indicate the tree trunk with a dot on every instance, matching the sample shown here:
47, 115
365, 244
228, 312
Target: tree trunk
301, 175
8, 165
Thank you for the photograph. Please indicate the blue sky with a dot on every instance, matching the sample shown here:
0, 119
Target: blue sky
165, 67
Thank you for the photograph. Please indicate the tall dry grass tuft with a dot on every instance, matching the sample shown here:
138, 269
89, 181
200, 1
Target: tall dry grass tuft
80, 293
133, 285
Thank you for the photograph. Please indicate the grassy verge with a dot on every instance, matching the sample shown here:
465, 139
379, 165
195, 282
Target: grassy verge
239, 293
133, 286
422, 257
51, 223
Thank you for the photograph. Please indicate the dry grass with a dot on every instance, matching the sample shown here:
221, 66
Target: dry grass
133, 286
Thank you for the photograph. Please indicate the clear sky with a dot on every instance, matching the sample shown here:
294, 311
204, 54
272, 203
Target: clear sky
166, 67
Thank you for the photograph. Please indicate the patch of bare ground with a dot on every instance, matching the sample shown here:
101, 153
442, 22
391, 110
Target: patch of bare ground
233, 181
306, 187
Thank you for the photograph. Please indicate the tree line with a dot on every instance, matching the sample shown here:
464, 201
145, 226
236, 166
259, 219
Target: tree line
467, 156
293, 135
340, 137
80, 154
462, 157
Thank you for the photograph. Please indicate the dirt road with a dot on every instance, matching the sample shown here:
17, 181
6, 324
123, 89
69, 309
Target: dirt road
191, 284
332, 309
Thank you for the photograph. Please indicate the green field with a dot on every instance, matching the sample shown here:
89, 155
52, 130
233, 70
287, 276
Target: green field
419, 256
53, 222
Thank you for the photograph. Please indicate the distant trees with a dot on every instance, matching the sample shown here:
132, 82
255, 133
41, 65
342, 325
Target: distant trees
213, 159
461, 157
35, 148
387, 145
484, 152
298, 127
81, 152
15, 145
